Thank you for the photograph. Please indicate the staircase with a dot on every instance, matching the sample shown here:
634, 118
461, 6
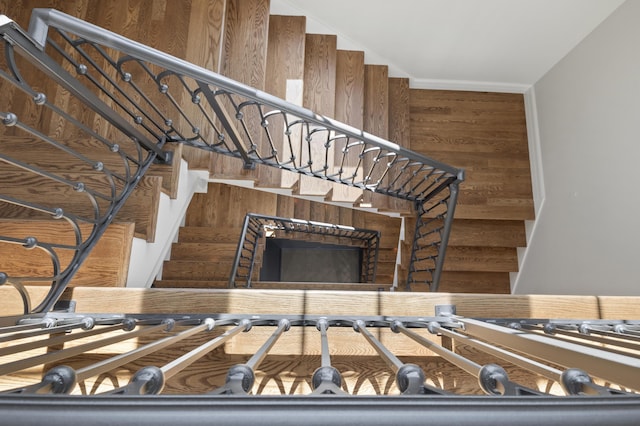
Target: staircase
200, 338
483, 132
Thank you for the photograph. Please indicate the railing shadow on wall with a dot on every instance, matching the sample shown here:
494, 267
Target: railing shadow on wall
127, 100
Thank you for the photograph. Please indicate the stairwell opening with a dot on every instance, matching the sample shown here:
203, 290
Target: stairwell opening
305, 261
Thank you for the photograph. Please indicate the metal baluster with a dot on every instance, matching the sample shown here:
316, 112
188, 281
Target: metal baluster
493, 379
409, 377
326, 379
151, 380
241, 377
617, 368
127, 325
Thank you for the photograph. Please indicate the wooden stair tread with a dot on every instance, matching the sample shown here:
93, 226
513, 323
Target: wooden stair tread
319, 96
141, 207
213, 252
243, 58
107, 264
284, 79
376, 122
349, 107
491, 233
484, 259
208, 234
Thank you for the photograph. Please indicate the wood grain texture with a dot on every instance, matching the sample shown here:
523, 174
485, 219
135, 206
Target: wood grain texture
316, 302
284, 78
203, 48
376, 122
319, 96
244, 53
486, 134
481, 259
487, 233
170, 173
106, 265
399, 130
141, 207
349, 109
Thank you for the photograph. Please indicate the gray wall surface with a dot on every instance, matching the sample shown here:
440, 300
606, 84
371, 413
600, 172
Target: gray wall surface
587, 236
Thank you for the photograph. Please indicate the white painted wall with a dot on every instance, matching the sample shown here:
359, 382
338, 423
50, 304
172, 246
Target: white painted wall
147, 258
587, 236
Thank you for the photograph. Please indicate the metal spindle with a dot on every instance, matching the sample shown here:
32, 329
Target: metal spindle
326, 379
409, 377
618, 368
80, 349
240, 377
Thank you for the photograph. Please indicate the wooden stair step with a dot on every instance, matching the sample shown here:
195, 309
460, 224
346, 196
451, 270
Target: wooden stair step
284, 79
244, 53
319, 96
107, 264
400, 132
482, 259
349, 106
489, 233
475, 282
466, 282
376, 122
208, 234
220, 284
47, 157
202, 47
384, 278
386, 268
141, 207
387, 255
170, 173
196, 270
210, 252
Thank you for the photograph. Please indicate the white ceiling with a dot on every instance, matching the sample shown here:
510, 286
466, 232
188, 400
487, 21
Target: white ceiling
510, 43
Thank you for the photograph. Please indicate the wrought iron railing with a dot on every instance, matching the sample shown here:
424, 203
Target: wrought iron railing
126, 100
554, 366
255, 230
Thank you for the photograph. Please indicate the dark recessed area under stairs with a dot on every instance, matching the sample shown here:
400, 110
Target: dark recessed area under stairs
304, 261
